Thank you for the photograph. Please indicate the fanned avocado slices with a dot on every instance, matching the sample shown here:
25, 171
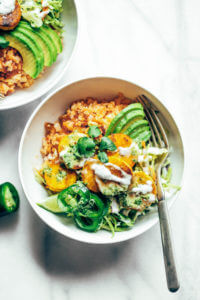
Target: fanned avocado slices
138, 131
55, 37
129, 118
118, 117
33, 40
51, 41
131, 121
28, 51
144, 136
42, 41
38, 47
134, 127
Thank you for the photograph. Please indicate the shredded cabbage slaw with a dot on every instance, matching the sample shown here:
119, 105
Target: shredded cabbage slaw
41, 12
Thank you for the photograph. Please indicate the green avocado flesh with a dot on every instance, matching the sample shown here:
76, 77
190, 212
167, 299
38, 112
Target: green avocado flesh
42, 41
29, 53
144, 136
33, 41
136, 124
118, 117
51, 41
138, 131
55, 37
131, 121
129, 117
38, 47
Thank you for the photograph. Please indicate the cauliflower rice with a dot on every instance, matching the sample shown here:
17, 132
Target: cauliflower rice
11, 74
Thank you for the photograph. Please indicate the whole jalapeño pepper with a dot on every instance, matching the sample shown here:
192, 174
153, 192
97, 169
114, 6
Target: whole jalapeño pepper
9, 198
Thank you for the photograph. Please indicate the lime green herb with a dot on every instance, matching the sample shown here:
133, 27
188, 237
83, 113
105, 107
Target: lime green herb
86, 147
103, 157
94, 131
107, 144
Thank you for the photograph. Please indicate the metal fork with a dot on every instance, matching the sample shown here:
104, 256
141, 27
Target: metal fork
160, 140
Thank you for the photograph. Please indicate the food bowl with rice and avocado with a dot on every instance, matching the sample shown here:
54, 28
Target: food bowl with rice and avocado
32, 40
97, 166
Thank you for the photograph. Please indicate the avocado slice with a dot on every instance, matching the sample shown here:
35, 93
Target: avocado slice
144, 136
129, 117
131, 127
28, 52
55, 37
42, 41
42, 31
138, 131
118, 117
32, 37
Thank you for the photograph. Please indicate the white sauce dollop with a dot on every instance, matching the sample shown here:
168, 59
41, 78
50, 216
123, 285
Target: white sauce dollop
143, 188
6, 6
104, 173
127, 151
155, 151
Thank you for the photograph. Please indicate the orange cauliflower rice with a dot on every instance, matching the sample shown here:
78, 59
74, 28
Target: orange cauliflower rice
80, 115
11, 74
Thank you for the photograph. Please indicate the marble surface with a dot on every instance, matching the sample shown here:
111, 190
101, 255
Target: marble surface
155, 44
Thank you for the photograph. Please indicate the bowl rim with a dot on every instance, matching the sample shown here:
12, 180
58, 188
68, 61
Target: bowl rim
57, 79
34, 113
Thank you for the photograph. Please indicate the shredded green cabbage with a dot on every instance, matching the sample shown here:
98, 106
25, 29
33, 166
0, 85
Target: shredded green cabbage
39, 12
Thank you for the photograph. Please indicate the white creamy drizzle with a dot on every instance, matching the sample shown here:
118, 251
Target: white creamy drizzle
143, 188
127, 151
6, 6
104, 173
155, 151
142, 158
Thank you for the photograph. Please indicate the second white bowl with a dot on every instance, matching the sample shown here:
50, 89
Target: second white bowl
52, 74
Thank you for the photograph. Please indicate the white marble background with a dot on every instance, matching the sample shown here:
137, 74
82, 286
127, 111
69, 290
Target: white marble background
153, 43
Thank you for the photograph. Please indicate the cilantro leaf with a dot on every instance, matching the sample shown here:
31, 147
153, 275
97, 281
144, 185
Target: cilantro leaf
94, 131
107, 144
86, 147
103, 157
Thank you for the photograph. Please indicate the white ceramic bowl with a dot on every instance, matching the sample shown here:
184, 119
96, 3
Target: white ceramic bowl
54, 73
54, 106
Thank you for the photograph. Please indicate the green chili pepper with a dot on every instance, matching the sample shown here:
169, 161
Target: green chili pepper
87, 208
75, 194
94, 208
87, 224
9, 198
107, 203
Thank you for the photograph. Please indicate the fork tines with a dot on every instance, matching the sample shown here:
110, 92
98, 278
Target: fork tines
159, 136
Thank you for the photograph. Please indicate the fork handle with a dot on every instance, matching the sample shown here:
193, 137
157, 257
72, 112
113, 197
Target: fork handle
170, 267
